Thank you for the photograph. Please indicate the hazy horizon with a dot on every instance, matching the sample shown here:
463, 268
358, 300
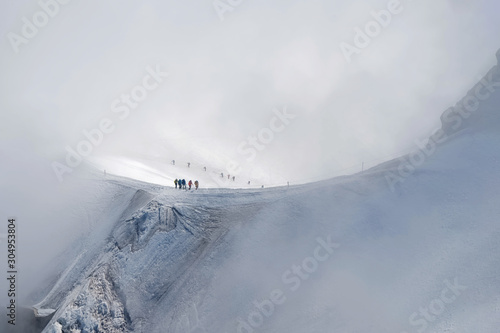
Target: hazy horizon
225, 78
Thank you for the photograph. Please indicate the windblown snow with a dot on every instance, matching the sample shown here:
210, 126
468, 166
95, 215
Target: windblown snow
412, 245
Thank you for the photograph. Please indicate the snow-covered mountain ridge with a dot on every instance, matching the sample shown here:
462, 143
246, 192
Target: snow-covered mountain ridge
420, 254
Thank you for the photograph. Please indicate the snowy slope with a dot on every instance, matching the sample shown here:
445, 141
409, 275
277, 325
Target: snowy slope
160, 170
411, 245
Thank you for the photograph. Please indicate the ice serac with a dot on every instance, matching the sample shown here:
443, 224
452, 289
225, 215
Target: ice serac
478, 110
95, 308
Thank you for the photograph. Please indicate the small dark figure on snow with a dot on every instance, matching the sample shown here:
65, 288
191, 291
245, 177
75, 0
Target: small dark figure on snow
189, 165
222, 175
205, 168
173, 162
184, 184
196, 184
175, 182
190, 184
233, 178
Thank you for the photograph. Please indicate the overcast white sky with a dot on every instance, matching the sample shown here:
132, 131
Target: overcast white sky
227, 76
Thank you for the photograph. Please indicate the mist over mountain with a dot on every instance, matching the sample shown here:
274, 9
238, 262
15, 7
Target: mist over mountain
407, 246
346, 153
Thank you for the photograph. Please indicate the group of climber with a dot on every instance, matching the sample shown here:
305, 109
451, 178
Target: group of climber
181, 183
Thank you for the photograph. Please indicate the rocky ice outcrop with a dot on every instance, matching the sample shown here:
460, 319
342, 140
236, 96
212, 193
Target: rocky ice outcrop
96, 308
142, 261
